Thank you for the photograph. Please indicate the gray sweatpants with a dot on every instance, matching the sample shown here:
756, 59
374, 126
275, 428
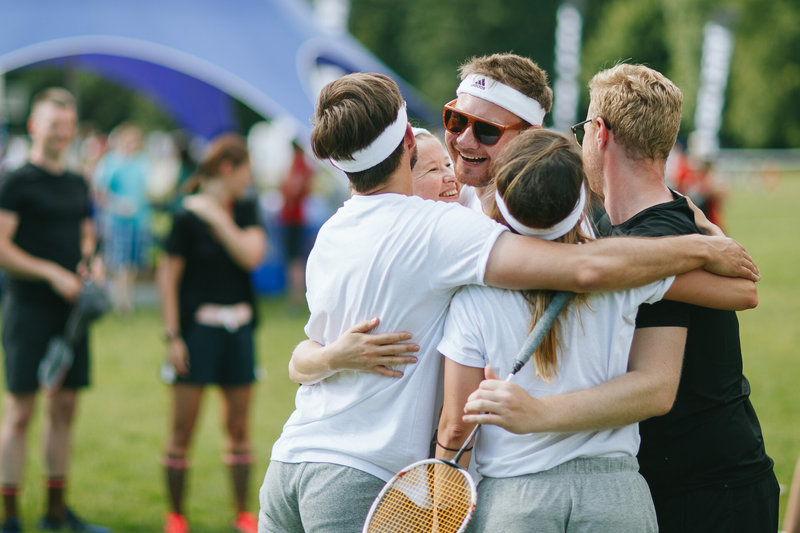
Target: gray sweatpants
315, 497
591, 495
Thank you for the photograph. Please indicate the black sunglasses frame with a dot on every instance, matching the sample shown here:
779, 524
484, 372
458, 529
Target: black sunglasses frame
579, 127
478, 125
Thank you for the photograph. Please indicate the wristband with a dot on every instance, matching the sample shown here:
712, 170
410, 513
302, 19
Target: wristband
440, 445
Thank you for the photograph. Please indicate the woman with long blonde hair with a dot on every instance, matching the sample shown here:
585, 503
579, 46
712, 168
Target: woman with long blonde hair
587, 479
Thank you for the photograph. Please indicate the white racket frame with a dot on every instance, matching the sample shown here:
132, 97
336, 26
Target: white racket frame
473, 489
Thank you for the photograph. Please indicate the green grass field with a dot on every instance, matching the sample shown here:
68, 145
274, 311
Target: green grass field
116, 476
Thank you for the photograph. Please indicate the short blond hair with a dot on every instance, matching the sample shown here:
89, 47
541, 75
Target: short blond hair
641, 106
516, 71
53, 95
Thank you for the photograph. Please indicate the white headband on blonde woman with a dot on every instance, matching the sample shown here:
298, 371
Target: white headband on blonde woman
379, 149
549, 234
506, 97
420, 131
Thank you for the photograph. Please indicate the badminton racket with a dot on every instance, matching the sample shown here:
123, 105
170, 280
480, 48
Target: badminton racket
434, 495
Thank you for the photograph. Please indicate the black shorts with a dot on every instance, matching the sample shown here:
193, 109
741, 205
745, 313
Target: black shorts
27, 329
750, 508
218, 356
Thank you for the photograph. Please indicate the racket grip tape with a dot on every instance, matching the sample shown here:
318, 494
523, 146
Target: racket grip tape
541, 328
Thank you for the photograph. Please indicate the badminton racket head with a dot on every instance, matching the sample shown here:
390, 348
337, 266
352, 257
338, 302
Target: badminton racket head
429, 495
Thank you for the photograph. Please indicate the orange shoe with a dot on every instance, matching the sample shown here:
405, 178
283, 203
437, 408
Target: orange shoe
175, 523
246, 523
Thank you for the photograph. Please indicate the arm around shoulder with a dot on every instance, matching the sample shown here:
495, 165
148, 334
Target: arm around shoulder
613, 263
702, 288
355, 349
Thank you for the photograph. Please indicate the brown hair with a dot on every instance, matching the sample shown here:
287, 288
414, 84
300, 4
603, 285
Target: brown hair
351, 112
230, 147
513, 70
641, 107
539, 174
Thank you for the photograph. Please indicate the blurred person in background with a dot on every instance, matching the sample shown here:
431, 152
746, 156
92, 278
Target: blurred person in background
120, 185
208, 305
693, 176
47, 241
294, 191
186, 168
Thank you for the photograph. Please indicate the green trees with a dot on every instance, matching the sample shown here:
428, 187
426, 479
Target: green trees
425, 41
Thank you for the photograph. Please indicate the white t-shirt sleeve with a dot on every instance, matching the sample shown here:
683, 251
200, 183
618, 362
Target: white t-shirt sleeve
655, 291
462, 341
460, 245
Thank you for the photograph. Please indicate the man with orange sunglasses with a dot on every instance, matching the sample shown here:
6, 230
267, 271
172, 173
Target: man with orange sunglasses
499, 96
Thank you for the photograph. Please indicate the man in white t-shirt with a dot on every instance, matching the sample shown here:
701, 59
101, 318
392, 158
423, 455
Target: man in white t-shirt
387, 253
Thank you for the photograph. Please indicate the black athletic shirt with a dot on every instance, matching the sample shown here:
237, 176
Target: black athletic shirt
210, 275
712, 435
51, 210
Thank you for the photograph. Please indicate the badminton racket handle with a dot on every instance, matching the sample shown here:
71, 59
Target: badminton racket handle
466, 443
532, 342
537, 334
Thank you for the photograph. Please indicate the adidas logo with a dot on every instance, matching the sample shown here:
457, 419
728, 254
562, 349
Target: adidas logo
480, 84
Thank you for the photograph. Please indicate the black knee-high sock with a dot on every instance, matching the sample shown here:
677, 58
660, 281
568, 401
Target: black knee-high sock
56, 487
10, 494
175, 469
239, 465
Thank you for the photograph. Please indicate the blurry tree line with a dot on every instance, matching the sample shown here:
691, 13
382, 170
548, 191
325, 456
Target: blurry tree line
425, 41
104, 104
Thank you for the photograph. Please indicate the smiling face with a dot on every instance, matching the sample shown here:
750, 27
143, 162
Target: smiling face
471, 159
432, 176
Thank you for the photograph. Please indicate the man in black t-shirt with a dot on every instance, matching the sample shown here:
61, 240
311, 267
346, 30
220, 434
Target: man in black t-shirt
46, 239
705, 460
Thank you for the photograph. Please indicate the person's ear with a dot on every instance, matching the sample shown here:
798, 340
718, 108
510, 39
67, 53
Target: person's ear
409, 139
603, 132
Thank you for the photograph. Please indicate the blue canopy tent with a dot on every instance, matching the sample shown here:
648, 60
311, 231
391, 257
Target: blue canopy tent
193, 56
190, 56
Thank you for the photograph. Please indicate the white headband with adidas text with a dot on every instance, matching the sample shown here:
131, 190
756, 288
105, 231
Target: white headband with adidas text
379, 149
506, 97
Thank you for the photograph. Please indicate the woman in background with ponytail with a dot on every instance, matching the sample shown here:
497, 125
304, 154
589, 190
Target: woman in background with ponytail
208, 306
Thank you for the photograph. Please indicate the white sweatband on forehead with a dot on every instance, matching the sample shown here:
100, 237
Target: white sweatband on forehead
549, 234
506, 97
379, 149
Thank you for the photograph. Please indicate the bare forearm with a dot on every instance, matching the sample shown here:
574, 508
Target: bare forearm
246, 246
610, 264
20, 264
702, 288
459, 382
624, 400
647, 389
309, 363
88, 239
